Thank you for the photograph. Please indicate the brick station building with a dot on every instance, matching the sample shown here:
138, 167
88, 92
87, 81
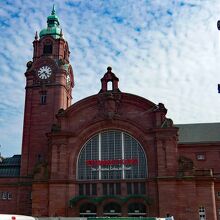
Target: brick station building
110, 154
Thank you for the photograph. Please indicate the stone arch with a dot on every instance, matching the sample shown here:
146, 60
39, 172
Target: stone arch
87, 209
87, 133
137, 209
112, 209
112, 154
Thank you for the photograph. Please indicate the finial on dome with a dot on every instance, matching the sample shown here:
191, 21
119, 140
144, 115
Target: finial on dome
36, 36
53, 25
53, 12
109, 69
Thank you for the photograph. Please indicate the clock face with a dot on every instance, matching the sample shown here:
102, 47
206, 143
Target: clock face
44, 72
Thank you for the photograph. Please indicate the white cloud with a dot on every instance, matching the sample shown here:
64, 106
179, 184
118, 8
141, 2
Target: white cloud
165, 51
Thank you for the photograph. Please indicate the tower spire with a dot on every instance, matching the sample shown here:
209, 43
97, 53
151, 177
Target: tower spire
53, 12
53, 25
36, 36
61, 33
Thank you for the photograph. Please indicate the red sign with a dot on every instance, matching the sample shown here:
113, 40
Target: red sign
93, 163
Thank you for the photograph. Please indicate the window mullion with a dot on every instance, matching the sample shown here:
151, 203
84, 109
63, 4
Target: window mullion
123, 154
99, 148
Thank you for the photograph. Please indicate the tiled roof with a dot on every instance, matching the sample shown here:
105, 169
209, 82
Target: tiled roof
10, 167
199, 133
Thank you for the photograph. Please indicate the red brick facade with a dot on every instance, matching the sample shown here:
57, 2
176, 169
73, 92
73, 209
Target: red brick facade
181, 177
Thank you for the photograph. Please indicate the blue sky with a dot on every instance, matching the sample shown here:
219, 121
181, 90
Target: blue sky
166, 51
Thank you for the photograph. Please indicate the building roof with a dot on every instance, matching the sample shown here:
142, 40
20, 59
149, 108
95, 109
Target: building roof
199, 133
53, 26
10, 167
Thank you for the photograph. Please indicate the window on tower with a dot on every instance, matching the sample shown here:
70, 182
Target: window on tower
43, 98
67, 102
110, 86
48, 48
202, 215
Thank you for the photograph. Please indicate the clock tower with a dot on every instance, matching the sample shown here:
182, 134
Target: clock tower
49, 83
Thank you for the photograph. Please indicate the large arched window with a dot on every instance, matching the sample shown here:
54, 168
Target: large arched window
112, 154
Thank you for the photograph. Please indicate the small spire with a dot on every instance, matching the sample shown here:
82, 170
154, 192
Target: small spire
61, 33
36, 36
53, 10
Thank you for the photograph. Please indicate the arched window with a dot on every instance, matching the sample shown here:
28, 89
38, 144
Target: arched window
112, 209
112, 154
43, 97
48, 48
109, 86
202, 215
87, 209
137, 209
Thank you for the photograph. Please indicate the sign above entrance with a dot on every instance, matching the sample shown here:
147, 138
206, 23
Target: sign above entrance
126, 162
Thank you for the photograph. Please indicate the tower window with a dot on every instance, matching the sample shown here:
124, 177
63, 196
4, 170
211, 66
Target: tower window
202, 215
9, 196
6, 196
110, 86
48, 49
67, 102
200, 156
43, 98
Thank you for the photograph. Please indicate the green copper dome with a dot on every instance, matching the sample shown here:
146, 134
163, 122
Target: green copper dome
53, 26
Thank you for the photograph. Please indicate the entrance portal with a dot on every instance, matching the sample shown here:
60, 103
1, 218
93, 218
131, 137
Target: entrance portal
137, 210
87, 210
112, 209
